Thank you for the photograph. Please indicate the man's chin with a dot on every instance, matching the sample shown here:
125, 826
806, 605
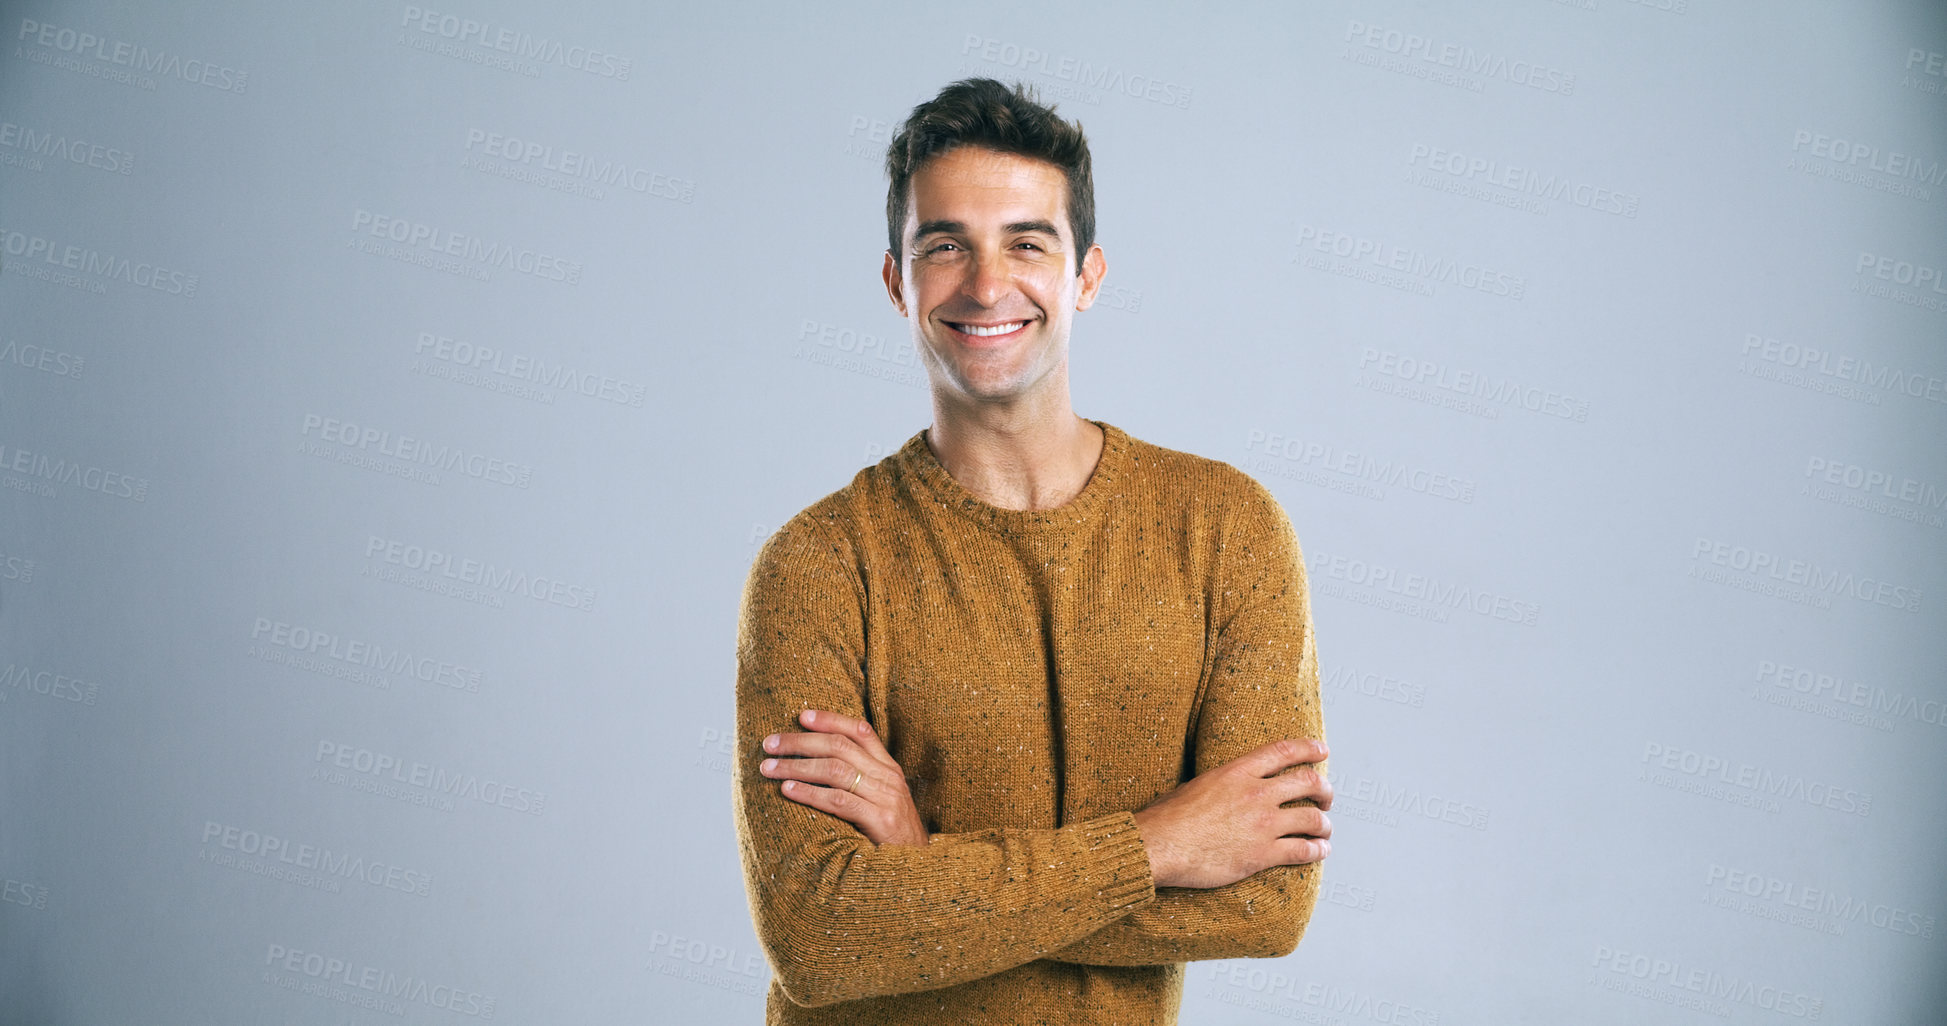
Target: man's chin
987, 388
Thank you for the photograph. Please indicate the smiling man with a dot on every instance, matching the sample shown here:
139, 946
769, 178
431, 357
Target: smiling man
1028, 712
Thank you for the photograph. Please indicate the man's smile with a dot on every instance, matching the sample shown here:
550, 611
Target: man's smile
975, 333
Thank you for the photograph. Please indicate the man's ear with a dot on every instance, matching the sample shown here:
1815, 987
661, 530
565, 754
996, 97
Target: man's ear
1094, 267
895, 287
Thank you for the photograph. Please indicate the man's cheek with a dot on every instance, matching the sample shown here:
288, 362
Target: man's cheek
1048, 282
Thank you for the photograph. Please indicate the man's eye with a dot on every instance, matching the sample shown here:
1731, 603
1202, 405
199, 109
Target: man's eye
1031, 245
939, 247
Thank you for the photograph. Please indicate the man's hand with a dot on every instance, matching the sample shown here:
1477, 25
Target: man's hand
842, 750
1225, 824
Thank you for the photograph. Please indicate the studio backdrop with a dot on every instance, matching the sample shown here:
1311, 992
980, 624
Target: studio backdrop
394, 395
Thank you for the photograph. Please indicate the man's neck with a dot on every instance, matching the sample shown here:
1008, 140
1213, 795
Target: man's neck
1018, 462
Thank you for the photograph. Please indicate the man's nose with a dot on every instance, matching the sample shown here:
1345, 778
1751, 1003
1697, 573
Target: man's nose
988, 280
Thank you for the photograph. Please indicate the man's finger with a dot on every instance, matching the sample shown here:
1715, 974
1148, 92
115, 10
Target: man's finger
837, 801
1269, 758
1304, 822
853, 727
1304, 782
827, 772
811, 742
1296, 851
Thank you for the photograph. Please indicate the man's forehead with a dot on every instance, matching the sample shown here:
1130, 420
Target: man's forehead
975, 184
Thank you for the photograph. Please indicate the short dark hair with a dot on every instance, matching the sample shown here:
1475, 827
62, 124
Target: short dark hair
985, 112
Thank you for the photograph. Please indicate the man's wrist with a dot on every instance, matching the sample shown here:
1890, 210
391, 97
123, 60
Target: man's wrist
1161, 866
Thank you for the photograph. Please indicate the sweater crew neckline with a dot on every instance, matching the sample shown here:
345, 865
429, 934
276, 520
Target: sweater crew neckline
918, 458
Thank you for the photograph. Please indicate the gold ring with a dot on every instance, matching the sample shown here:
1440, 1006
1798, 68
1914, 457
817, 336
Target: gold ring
855, 782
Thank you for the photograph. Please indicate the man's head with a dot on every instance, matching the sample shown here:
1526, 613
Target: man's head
985, 262
984, 112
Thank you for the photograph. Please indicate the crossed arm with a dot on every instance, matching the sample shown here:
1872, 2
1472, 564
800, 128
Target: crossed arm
1263, 915
1261, 685
853, 899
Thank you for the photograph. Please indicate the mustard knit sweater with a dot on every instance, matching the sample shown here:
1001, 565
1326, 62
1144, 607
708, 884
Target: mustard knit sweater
1039, 675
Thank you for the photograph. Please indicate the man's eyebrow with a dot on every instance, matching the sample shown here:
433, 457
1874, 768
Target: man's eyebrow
1011, 228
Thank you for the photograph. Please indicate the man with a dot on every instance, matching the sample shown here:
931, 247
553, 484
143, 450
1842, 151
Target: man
1027, 713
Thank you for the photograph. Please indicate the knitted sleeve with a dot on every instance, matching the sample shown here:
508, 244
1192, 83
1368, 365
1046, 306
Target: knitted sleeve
839, 917
1261, 685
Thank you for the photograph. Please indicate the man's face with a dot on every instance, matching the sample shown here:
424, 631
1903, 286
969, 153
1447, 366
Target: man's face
988, 249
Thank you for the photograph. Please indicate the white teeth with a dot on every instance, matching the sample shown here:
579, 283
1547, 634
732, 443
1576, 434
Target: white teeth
999, 329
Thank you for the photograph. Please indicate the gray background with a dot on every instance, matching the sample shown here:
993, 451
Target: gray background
1595, 349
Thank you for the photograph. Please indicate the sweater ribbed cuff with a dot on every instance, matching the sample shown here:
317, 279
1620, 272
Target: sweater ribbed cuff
1117, 857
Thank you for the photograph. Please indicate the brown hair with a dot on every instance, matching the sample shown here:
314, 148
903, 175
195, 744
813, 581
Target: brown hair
985, 112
